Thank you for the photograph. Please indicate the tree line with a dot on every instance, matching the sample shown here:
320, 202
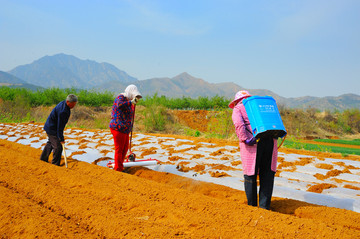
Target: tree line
52, 96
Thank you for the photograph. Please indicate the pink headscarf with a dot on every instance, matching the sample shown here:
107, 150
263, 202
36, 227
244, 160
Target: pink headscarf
239, 96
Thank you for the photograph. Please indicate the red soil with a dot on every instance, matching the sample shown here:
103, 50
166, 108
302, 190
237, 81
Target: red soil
40, 200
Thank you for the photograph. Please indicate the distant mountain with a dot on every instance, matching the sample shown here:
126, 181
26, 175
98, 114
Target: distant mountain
178, 86
66, 71
186, 85
341, 102
9, 80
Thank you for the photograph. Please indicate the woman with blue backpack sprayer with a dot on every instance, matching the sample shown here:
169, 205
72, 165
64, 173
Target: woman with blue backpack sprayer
259, 157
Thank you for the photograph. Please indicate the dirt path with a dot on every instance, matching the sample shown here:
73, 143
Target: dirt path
87, 201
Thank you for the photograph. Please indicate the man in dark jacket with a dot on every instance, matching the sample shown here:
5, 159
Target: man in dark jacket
54, 128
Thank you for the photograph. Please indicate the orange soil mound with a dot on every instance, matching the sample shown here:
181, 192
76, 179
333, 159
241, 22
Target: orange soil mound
318, 188
195, 119
88, 201
324, 166
218, 174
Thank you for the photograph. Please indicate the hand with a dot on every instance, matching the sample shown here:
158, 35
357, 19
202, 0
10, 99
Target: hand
251, 141
134, 101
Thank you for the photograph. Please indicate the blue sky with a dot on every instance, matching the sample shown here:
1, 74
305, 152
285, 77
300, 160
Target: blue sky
291, 47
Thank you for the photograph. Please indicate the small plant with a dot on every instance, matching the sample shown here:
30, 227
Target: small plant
193, 133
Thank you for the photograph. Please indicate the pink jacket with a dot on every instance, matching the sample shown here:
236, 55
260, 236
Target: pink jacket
248, 153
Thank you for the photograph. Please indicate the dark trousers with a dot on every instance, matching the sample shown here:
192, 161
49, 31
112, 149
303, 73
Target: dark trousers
53, 144
266, 176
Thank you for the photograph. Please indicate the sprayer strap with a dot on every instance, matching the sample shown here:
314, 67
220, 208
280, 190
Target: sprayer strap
246, 124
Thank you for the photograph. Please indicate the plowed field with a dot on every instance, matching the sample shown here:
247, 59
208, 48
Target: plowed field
40, 200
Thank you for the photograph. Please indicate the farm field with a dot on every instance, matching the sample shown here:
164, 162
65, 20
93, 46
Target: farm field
166, 200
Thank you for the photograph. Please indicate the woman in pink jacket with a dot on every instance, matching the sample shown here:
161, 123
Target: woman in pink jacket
258, 157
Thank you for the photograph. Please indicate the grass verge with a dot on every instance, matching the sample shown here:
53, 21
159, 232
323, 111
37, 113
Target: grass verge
339, 141
296, 144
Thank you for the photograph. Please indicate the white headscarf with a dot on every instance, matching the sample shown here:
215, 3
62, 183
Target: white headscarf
131, 92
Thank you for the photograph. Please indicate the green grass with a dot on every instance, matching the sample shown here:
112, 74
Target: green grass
339, 141
295, 144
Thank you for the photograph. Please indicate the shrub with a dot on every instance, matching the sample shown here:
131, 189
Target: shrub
351, 118
17, 110
220, 123
154, 118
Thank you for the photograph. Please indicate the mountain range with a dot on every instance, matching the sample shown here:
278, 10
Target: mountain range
66, 71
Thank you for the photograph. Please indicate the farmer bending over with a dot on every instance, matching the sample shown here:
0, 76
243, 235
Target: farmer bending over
121, 122
54, 128
257, 157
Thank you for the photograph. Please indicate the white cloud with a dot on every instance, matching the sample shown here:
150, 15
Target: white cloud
149, 16
310, 18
